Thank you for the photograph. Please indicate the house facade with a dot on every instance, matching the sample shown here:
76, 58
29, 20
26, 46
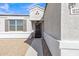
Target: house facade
57, 24
61, 28
16, 29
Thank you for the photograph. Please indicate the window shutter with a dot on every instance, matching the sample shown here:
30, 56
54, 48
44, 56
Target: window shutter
6, 25
24, 25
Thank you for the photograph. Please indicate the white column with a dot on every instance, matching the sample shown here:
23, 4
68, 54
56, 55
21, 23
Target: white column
29, 25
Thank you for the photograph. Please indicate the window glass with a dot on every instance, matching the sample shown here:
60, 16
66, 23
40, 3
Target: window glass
12, 25
19, 25
19, 22
12, 22
19, 28
12, 28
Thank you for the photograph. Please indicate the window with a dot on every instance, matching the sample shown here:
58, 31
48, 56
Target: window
15, 25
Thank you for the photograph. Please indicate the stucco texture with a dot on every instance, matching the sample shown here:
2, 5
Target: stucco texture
69, 24
52, 20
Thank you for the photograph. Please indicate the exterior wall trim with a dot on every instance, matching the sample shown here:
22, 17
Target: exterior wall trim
5, 35
67, 44
69, 48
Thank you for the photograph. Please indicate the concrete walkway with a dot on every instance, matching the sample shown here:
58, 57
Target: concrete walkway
37, 45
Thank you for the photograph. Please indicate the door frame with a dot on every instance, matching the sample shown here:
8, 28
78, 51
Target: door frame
42, 26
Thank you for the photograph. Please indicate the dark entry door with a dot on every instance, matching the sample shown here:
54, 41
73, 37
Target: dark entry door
38, 30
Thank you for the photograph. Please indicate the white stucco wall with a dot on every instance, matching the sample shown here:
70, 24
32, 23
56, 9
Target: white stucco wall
69, 24
69, 43
52, 27
60, 24
52, 20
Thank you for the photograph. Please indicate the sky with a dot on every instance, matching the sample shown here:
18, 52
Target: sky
18, 8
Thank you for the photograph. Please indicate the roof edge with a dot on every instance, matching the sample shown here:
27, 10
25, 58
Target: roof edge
12, 15
36, 6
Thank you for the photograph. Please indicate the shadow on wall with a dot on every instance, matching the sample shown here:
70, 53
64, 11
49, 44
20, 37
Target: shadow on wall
29, 40
52, 44
53, 47
46, 51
